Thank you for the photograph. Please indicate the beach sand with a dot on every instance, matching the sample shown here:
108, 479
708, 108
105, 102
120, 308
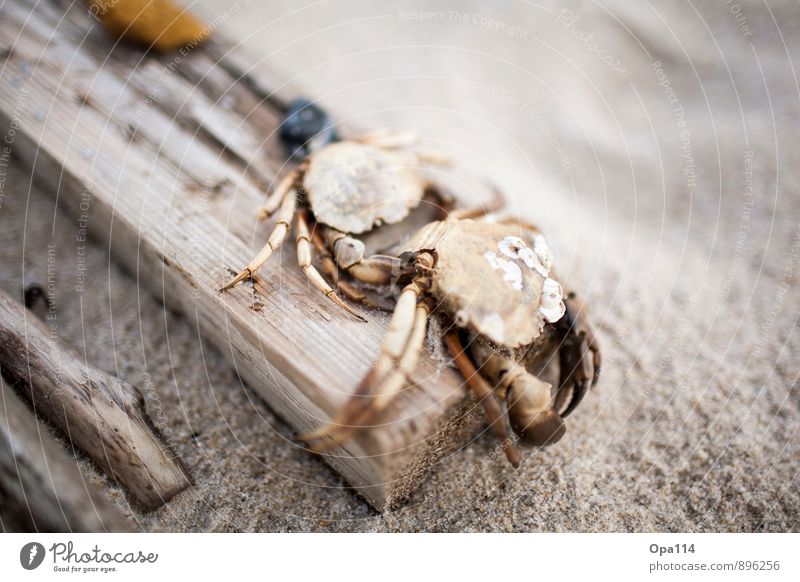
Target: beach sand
659, 149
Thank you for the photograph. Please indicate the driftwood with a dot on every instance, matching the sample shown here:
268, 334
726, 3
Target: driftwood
100, 415
177, 153
41, 488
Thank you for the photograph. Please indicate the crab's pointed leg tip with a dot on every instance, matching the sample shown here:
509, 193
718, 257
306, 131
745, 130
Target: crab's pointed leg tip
318, 446
314, 435
236, 280
512, 454
308, 437
347, 308
332, 435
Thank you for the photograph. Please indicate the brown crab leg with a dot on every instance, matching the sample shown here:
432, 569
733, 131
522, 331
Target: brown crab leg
483, 392
400, 348
278, 194
375, 270
304, 260
521, 224
434, 158
331, 269
348, 253
497, 202
334, 274
389, 139
275, 240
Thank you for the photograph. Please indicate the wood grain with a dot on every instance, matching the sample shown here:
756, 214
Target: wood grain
168, 158
41, 488
100, 415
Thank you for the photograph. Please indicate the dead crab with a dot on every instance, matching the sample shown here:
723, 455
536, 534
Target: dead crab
494, 284
349, 187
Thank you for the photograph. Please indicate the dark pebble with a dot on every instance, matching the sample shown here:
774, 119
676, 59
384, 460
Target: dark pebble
306, 128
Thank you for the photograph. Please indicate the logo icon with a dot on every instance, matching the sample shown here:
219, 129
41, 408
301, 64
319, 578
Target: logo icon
31, 555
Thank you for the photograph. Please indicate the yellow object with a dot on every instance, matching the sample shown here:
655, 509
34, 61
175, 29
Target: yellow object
160, 24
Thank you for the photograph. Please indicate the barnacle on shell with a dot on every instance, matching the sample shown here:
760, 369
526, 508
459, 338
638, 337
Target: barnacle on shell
552, 303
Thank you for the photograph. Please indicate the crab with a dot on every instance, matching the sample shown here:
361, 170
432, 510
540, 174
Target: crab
343, 189
493, 283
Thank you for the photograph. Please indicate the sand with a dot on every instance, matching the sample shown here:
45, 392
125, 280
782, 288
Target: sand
657, 146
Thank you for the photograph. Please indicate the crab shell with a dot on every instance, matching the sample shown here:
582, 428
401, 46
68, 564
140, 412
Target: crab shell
353, 187
492, 278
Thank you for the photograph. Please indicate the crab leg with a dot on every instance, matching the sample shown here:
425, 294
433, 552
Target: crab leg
276, 238
333, 272
497, 202
434, 158
399, 353
278, 194
390, 139
483, 392
523, 225
348, 252
304, 260
372, 400
375, 270
331, 269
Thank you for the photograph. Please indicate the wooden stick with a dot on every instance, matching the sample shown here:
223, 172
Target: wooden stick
41, 488
102, 416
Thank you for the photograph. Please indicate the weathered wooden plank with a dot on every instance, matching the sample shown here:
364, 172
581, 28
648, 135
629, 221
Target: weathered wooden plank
154, 155
100, 415
41, 488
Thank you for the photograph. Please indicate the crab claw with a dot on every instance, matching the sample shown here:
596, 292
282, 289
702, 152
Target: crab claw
530, 411
579, 357
546, 429
575, 371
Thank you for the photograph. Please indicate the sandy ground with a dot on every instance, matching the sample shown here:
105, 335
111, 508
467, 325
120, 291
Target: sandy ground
659, 148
